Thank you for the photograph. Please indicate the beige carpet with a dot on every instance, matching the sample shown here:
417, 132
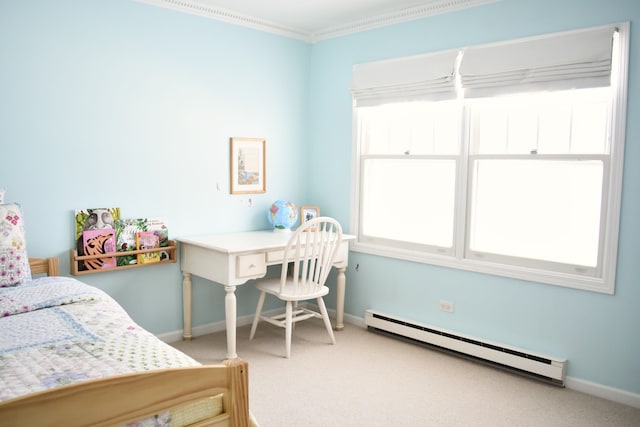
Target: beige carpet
368, 379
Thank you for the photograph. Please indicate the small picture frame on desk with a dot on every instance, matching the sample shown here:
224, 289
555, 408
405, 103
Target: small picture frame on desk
248, 166
307, 213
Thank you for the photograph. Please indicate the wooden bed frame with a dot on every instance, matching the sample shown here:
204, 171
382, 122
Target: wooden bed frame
46, 266
126, 398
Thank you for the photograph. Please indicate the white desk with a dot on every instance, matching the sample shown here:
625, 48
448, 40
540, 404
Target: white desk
234, 258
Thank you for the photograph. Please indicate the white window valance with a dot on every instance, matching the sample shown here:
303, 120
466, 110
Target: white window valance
570, 60
427, 77
580, 59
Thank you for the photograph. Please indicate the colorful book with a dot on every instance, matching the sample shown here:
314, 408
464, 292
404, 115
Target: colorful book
159, 225
126, 231
99, 242
147, 240
92, 219
95, 219
128, 228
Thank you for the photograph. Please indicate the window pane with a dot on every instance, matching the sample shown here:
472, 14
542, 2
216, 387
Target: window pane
573, 122
554, 135
589, 128
410, 200
522, 130
411, 128
490, 124
543, 210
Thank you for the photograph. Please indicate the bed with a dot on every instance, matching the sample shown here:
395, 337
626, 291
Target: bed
70, 355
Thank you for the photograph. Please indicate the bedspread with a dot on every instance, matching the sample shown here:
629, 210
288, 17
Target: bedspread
57, 330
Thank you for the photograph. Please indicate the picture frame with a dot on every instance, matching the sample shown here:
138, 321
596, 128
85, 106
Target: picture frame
248, 165
308, 213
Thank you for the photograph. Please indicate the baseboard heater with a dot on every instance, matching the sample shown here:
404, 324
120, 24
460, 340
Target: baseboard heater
517, 360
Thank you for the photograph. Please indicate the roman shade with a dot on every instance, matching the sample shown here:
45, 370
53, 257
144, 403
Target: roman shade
423, 77
561, 61
575, 60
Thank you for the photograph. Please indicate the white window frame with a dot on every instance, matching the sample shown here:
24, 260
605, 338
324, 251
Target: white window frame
603, 281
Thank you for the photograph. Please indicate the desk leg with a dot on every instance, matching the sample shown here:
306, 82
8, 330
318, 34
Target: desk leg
230, 313
186, 305
340, 289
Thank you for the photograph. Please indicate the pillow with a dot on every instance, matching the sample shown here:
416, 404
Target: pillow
14, 262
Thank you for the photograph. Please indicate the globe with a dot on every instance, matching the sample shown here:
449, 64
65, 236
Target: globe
282, 215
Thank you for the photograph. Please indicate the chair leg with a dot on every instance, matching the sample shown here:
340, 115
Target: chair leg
293, 324
327, 321
288, 327
256, 319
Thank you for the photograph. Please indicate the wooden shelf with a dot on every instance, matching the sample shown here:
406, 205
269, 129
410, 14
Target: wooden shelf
171, 249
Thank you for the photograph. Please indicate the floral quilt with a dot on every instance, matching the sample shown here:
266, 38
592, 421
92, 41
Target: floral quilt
57, 330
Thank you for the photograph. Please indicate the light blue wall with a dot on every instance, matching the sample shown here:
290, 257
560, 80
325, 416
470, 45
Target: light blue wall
597, 333
95, 87
118, 103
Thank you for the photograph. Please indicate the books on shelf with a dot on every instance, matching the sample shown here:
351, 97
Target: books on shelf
99, 242
94, 220
147, 240
127, 230
104, 231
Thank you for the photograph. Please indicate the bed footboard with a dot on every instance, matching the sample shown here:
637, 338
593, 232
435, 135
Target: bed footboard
127, 398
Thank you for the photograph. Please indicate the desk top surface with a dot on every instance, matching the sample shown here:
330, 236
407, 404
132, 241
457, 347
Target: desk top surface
246, 241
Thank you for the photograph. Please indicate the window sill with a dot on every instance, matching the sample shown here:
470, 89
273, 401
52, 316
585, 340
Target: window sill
586, 283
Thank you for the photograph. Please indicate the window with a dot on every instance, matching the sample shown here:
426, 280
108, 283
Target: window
408, 146
505, 166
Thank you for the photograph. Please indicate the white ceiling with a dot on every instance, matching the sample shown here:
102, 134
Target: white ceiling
313, 20
312, 16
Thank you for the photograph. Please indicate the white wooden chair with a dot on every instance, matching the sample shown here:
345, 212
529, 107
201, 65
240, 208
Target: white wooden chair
310, 253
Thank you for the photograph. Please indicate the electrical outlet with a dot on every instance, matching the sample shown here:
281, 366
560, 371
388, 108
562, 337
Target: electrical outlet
446, 306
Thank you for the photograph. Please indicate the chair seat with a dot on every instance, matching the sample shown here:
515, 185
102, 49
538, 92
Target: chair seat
272, 286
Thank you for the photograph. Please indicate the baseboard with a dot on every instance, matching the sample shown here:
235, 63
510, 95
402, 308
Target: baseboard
603, 391
211, 328
350, 319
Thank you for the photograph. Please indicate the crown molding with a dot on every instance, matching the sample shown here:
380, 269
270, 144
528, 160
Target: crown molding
430, 8
220, 14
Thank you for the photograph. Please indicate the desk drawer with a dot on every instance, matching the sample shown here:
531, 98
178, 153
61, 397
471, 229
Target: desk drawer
275, 256
251, 265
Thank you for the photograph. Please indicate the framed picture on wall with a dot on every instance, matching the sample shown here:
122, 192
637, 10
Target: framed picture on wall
248, 165
307, 213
